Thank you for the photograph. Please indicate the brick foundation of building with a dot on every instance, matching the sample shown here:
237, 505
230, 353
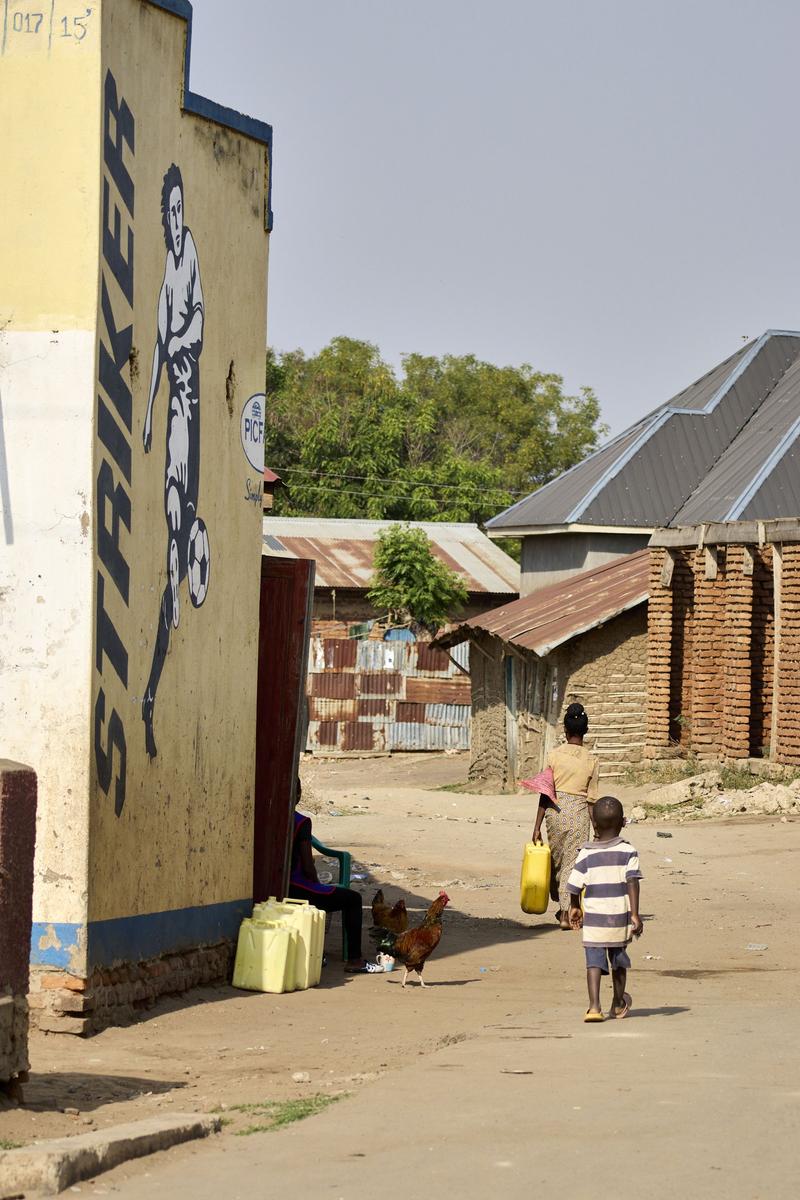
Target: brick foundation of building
63, 1003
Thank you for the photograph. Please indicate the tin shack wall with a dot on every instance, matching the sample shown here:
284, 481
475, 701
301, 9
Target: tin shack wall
368, 695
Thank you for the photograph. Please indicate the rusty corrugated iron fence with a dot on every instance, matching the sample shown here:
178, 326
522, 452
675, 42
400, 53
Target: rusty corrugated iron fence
371, 695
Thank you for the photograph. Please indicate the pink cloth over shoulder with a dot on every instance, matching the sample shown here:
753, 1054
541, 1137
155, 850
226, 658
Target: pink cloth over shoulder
543, 783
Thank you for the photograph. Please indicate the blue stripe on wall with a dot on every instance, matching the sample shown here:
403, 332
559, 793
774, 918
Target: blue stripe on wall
133, 939
53, 942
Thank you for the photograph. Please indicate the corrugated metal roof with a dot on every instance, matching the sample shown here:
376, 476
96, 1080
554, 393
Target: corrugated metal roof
556, 614
755, 478
343, 551
649, 473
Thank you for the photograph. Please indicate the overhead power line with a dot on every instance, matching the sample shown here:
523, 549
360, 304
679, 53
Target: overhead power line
456, 487
388, 497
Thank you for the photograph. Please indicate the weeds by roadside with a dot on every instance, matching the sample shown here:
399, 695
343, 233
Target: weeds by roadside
6, 1145
671, 770
275, 1114
737, 779
734, 778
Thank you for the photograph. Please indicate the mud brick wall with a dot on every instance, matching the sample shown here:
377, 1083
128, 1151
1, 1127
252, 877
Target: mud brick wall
606, 671
736, 659
17, 845
488, 764
659, 661
788, 728
532, 704
762, 651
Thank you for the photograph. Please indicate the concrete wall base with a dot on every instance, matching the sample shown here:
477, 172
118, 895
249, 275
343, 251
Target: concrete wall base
63, 1003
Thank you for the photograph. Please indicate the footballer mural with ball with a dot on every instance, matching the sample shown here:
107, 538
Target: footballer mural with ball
179, 343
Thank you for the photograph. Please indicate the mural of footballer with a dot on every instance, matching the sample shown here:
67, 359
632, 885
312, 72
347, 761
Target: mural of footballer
179, 343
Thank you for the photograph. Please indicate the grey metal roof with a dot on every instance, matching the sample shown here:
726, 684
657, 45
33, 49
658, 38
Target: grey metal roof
749, 479
648, 475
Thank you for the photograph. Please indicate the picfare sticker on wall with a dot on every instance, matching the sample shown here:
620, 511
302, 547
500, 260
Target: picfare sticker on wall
253, 431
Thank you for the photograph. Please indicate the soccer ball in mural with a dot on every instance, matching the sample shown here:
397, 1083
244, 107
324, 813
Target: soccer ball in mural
199, 563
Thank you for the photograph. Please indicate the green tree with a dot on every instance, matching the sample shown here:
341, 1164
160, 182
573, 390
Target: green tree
450, 439
411, 583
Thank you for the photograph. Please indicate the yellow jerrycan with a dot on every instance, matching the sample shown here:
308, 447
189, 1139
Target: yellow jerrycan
266, 956
309, 923
534, 884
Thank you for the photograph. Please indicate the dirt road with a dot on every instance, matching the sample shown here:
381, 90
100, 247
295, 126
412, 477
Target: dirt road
489, 1078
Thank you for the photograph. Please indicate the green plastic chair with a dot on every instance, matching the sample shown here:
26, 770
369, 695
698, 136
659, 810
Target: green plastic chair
345, 860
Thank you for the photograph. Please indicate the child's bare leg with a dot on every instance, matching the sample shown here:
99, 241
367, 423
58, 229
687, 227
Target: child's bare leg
620, 977
593, 977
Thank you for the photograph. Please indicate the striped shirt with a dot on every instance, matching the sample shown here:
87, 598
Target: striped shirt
602, 872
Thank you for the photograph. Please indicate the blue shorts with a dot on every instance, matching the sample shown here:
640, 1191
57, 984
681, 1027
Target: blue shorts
604, 956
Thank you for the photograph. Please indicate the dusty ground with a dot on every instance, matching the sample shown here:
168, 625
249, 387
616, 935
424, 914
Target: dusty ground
698, 1089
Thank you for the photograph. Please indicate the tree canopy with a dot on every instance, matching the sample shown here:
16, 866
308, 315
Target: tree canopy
445, 439
411, 583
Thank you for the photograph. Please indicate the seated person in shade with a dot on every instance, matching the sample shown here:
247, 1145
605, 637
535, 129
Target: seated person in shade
304, 884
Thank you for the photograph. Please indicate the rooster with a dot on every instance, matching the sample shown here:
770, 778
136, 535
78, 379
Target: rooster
394, 919
414, 947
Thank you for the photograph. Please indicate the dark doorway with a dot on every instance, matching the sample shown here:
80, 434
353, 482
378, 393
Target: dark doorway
287, 592
681, 665
762, 655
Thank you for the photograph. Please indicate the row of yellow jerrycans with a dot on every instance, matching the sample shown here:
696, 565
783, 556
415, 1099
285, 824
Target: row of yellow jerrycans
280, 947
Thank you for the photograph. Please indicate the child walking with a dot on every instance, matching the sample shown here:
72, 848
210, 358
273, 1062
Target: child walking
607, 872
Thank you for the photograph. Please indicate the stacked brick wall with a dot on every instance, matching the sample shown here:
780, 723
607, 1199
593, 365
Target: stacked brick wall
788, 729
736, 660
719, 650
681, 685
762, 652
659, 661
62, 1003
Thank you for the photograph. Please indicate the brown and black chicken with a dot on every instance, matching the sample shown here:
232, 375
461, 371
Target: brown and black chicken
394, 918
414, 947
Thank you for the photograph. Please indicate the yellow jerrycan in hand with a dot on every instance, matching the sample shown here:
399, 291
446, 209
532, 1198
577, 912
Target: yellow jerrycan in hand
534, 884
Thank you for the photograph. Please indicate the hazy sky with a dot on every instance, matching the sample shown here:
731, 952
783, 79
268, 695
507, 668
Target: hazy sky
607, 189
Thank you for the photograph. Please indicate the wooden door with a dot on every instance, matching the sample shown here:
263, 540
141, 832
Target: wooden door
287, 593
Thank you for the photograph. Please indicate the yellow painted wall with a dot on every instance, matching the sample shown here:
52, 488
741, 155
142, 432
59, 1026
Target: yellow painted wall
50, 132
183, 836
49, 198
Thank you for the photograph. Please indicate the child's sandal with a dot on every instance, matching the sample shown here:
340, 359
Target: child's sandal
621, 1013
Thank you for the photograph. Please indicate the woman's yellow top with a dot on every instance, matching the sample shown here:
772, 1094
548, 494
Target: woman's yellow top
575, 770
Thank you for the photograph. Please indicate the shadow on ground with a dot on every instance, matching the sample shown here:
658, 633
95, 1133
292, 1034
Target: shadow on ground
52, 1091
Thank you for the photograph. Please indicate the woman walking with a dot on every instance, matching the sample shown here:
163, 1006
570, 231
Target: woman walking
575, 774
